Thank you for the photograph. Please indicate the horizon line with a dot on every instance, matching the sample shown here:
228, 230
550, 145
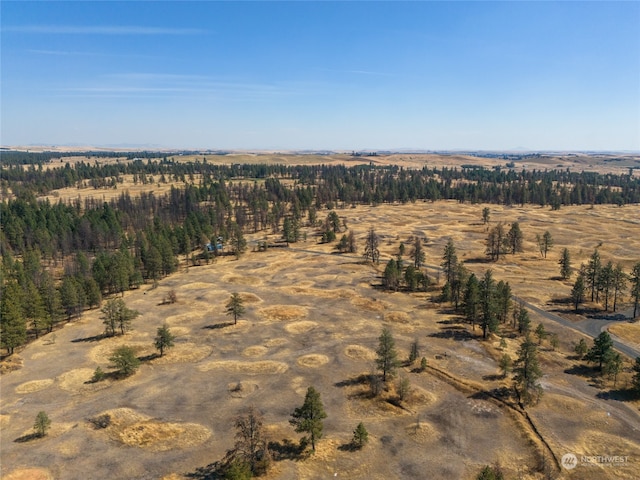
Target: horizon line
159, 148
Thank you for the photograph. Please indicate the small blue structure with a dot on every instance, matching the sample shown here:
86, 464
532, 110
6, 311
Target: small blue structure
219, 245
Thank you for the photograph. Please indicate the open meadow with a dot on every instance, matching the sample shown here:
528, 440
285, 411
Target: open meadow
313, 318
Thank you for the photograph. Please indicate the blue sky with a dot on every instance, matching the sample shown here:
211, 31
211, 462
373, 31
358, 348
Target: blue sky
322, 75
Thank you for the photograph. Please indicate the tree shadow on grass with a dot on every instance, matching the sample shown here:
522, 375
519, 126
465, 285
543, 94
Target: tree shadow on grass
27, 438
113, 375
94, 338
494, 377
447, 311
216, 326
287, 450
499, 393
574, 357
557, 278
349, 447
449, 321
349, 382
455, 333
608, 316
621, 395
562, 301
213, 471
478, 260
581, 371
148, 358
283, 450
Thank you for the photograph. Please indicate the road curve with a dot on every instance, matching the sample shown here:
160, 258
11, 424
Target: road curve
592, 327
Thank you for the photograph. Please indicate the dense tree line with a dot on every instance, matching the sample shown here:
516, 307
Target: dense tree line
605, 283
357, 184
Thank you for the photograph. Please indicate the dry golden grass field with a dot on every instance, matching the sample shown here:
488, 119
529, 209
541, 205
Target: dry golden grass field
313, 317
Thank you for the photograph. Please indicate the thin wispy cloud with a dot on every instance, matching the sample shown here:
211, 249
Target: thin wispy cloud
101, 30
156, 77
60, 53
73, 53
367, 72
143, 85
357, 72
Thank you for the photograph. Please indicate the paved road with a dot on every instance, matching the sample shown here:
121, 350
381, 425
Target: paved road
589, 326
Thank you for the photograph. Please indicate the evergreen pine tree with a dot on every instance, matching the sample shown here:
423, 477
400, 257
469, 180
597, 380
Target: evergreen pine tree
308, 418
